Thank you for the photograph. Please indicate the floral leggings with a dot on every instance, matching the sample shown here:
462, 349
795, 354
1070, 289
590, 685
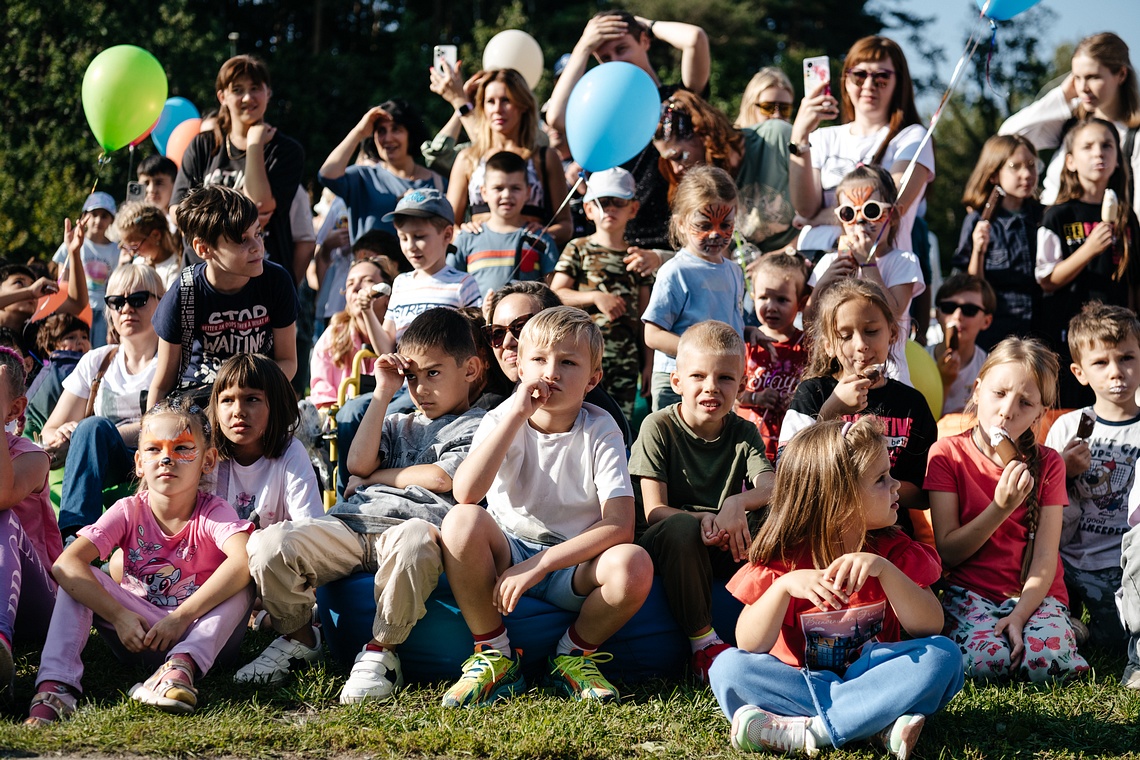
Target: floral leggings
1050, 648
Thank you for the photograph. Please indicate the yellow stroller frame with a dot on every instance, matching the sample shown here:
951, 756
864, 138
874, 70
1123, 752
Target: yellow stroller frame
349, 389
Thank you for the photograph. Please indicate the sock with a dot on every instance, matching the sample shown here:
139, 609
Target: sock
700, 642
57, 687
571, 641
6, 641
372, 646
175, 674
496, 639
819, 732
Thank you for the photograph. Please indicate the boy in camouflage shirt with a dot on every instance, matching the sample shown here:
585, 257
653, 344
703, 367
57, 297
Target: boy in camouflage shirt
591, 274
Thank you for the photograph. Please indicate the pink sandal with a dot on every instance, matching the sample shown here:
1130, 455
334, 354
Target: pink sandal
62, 704
166, 692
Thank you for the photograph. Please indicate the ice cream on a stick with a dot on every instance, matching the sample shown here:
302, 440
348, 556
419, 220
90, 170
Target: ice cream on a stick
1003, 444
874, 372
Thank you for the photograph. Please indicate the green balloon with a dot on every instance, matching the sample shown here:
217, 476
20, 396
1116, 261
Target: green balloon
124, 90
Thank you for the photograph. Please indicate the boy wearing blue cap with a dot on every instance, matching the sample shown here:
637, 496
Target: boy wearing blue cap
100, 257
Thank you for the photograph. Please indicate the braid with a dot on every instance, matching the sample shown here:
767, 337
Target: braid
1028, 445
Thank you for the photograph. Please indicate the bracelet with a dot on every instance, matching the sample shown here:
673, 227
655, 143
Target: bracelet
869, 264
652, 24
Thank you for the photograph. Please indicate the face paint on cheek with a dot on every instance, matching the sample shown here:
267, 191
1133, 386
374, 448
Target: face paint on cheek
182, 449
713, 226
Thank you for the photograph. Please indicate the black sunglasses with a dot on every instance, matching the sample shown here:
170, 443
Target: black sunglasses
968, 309
496, 334
135, 300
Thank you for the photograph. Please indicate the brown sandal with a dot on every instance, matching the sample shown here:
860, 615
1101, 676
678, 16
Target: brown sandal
166, 693
62, 704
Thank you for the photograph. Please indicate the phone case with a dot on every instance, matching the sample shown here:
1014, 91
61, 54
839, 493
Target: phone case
816, 70
447, 53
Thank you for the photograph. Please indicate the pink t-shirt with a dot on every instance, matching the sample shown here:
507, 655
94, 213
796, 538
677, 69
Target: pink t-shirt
326, 376
957, 466
166, 570
833, 639
37, 517
777, 366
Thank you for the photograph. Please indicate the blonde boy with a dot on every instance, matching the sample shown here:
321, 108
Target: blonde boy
690, 461
559, 517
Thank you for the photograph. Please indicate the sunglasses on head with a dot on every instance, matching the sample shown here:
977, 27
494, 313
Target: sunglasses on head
612, 202
968, 309
879, 78
784, 110
872, 211
135, 300
496, 334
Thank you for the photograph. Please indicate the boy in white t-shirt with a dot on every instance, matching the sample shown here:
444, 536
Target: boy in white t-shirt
966, 306
559, 520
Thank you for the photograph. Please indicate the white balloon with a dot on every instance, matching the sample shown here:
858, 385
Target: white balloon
515, 49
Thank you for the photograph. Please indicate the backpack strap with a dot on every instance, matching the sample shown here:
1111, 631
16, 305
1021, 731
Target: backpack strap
97, 381
188, 314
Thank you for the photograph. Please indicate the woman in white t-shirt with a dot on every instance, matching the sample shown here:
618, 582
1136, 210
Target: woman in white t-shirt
102, 444
881, 126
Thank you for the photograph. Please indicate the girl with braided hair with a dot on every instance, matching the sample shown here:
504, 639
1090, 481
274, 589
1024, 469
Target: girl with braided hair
996, 511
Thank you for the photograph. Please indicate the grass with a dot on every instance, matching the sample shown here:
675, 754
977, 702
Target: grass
1094, 718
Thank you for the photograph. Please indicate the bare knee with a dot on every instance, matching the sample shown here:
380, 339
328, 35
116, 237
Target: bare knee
464, 522
627, 571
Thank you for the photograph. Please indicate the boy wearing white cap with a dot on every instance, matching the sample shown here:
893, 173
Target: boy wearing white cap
592, 275
100, 257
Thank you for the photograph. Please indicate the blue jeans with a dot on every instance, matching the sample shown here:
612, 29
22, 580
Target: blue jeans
887, 681
97, 459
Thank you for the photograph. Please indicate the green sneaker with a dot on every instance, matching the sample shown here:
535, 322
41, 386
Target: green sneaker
488, 676
578, 676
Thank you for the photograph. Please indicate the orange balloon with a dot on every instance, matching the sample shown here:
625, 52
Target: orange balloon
180, 139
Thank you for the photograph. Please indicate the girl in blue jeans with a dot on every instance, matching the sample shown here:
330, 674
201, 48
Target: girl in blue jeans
829, 587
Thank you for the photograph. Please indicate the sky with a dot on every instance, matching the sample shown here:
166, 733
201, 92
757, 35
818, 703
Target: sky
1075, 19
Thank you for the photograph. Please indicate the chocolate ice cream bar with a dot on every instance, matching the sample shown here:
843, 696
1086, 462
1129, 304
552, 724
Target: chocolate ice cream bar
1006, 450
874, 372
1085, 429
952, 338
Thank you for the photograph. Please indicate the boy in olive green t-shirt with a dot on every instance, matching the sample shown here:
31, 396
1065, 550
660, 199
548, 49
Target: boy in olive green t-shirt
700, 476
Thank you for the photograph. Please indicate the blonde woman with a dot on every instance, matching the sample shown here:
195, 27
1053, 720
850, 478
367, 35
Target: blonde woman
768, 95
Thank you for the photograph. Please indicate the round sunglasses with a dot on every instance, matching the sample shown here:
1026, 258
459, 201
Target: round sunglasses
135, 300
880, 78
496, 334
871, 211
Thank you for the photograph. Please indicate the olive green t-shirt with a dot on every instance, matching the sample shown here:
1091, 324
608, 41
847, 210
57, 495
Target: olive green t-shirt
698, 474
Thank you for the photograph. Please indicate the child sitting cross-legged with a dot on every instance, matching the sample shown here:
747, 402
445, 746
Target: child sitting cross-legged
691, 460
558, 522
402, 467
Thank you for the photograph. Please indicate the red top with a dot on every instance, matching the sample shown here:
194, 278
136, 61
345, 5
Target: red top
959, 467
778, 366
833, 639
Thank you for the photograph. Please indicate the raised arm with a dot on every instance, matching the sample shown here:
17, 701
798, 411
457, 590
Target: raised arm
804, 182
165, 373
337, 162
257, 185
693, 43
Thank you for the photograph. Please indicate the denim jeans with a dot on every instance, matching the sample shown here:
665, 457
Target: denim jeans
98, 458
888, 680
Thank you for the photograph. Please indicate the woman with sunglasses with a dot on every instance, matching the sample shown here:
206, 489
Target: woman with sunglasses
98, 415
880, 126
768, 95
691, 133
510, 308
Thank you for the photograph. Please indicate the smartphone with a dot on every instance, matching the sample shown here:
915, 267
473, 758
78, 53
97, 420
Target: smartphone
816, 70
135, 191
443, 53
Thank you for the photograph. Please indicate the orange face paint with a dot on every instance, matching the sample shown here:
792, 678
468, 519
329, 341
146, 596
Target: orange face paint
710, 230
182, 449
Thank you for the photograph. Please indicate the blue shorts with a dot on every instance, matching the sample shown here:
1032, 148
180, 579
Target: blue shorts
557, 587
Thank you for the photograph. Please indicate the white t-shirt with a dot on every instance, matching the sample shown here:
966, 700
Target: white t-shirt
168, 270
835, 151
954, 398
270, 491
896, 268
99, 260
551, 487
119, 396
413, 293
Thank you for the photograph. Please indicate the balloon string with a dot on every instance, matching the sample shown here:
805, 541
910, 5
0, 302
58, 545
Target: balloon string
130, 162
569, 195
967, 54
989, 59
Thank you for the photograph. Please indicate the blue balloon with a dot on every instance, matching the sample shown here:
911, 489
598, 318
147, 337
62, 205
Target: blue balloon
611, 115
1004, 10
176, 111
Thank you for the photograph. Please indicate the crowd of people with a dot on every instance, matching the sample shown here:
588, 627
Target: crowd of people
755, 281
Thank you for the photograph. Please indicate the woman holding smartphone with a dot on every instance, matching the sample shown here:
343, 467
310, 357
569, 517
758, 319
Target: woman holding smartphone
880, 126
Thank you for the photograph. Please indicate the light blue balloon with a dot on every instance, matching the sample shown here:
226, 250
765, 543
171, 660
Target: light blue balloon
611, 115
1004, 10
176, 111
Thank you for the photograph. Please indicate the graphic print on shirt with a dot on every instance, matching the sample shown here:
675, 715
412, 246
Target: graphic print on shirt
834, 639
156, 578
1106, 485
1077, 232
233, 331
245, 504
896, 431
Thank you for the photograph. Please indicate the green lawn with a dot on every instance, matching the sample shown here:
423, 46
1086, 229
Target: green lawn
1095, 718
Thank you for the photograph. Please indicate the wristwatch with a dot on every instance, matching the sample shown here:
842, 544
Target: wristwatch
464, 109
799, 149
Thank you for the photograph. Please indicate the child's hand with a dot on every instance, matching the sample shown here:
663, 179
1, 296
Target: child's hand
1077, 458
73, 235
354, 482
260, 134
812, 586
644, 261
166, 633
849, 572
1011, 627
754, 336
949, 365
1098, 241
1013, 486
473, 227
733, 520
530, 396
42, 287
711, 535
513, 583
389, 372
851, 393
131, 629
843, 266
610, 304
980, 237
860, 243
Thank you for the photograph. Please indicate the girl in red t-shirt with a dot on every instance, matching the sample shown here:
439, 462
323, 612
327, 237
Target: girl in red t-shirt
830, 585
997, 524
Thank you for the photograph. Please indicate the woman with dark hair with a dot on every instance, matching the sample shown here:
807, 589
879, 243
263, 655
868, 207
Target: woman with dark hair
880, 126
245, 153
396, 130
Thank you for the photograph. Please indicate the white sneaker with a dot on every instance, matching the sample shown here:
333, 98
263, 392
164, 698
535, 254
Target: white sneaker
1131, 677
375, 677
757, 730
900, 737
279, 659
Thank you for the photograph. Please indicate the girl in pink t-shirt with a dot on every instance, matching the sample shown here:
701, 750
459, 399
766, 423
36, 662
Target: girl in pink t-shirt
29, 535
185, 591
830, 586
995, 502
